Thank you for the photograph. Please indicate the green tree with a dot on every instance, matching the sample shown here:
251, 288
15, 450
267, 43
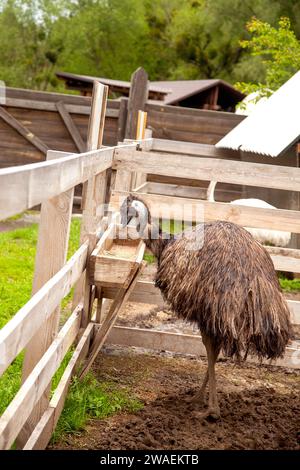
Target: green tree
279, 50
101, 37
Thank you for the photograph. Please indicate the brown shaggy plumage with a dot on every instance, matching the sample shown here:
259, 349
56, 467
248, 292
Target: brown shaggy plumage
227, 285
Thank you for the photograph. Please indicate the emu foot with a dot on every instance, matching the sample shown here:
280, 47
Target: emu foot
212, 414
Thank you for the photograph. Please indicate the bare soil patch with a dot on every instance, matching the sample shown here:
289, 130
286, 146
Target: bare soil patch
260, 406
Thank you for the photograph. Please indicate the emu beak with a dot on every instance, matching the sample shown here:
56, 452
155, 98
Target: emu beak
126, 218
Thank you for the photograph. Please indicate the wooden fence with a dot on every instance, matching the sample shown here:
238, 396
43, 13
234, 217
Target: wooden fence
32, 122
32, 416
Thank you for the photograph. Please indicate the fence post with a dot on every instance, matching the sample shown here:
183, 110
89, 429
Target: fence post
94, 195
52, 246
137, 100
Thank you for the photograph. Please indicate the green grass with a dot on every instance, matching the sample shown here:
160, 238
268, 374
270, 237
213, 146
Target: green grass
290, 285
86, 399
89, 399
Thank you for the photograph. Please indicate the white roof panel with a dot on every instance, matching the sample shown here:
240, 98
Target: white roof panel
272, 127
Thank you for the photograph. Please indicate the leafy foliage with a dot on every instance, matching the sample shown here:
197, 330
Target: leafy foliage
171, 39
279, 49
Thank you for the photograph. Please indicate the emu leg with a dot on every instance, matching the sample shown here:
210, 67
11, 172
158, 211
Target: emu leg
199, 396
212, 355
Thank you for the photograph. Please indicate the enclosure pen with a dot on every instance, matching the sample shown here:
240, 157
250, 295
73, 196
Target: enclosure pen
103, 268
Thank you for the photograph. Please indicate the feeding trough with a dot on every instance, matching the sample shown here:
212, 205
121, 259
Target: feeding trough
114, 261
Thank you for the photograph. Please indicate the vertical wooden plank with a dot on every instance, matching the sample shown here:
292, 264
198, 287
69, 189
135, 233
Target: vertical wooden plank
122, 119
51, 255
137, 100
141, 133
95, 191
141, 125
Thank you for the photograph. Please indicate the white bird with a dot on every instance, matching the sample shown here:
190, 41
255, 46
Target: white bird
264, 236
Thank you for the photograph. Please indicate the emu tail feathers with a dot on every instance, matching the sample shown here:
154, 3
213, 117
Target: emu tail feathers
263, 327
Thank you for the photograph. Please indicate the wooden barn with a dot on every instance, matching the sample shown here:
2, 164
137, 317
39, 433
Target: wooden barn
31, 122
214, 94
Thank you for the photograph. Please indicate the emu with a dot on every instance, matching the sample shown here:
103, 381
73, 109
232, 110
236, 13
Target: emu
264, 236
227, 286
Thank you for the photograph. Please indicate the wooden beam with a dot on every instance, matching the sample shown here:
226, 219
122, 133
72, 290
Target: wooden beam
184, 344
110, 319
51, 106
42, 433
31, 391
122, 119
137, 99
189, 148
23, 131
51, 256
71, 126
26, 186
15, 335
94, 193
226, 171
193, 210
146, 292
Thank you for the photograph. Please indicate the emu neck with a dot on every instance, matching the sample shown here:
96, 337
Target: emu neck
157, 240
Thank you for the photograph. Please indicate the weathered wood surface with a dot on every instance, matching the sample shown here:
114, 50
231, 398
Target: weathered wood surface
30, 392
37, 111
15, 335
193, 210
189, 125
184, 344
190, 148
23, 131
105, 269
100, 337
94, 193
51, 255
137, 100
192, 192
42, 433
26, 186
252, 174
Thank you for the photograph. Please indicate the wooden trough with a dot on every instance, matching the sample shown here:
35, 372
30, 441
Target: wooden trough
114, 261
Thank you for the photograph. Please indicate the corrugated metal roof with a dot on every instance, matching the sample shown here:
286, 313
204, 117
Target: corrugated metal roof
272, 127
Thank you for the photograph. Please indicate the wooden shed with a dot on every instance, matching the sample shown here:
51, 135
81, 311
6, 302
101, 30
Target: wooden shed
213, 94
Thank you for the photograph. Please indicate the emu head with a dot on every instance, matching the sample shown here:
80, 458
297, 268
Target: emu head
136, 213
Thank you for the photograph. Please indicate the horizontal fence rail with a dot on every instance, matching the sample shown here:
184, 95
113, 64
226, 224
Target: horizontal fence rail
26, 186
17, 332
223, 171
177, 208
22, 405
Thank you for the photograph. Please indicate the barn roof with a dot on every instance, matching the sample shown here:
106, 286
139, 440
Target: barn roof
182, 89
117, 85
272, 127
170, 92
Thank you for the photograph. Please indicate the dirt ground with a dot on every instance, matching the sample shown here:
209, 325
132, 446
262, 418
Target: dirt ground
260, 406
